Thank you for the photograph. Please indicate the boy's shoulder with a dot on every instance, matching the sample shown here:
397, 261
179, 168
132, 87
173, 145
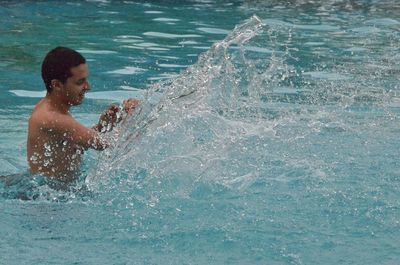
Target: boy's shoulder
47, 117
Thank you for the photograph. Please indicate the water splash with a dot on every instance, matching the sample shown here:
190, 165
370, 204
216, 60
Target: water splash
248, 113
196, 121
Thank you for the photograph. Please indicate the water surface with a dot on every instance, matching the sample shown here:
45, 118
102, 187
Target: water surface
267, 139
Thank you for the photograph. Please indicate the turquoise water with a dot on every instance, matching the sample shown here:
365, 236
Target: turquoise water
266, 139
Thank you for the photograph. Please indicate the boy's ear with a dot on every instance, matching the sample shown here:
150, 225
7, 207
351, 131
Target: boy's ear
56, 84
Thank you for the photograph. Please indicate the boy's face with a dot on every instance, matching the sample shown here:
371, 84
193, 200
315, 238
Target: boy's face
77, 85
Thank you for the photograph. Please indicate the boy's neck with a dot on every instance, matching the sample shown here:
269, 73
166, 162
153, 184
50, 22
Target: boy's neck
56, 102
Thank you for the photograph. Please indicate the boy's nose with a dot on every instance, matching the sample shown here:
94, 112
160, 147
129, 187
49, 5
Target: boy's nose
87, 86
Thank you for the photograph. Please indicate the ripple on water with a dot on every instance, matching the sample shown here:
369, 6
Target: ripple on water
162, 76
356, 49
157, 49
170, 35
147, 44
102, 52
165, 19
366, 30
29, 94
188, 42
259, 49
129, 37
317, 27
127, 40
383, 22
314, 43
214, 31
128, 70
153, 12
165, 65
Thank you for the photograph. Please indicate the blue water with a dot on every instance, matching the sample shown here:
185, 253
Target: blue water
268, 133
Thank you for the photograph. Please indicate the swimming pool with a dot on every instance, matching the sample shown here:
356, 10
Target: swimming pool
274, 142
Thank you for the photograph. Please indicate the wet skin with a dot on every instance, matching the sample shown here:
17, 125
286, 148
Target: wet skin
56, 141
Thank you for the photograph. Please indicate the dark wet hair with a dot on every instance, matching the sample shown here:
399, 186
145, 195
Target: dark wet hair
58, 63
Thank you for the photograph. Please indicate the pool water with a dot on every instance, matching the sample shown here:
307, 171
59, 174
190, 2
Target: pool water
267, 134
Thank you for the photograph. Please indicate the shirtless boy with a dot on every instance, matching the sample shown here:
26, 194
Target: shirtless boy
56, 140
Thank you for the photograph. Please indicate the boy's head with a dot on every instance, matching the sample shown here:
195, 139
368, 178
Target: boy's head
58, 63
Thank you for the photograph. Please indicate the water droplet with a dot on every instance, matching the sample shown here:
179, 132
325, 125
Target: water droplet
34, 159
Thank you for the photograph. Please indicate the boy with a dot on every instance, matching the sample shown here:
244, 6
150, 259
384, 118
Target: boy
56, 140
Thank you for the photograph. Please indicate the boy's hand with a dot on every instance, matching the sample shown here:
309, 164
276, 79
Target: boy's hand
113, 115
109, 118
130, 105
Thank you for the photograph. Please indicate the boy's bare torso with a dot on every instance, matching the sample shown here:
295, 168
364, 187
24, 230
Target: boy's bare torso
56, 141
52, 151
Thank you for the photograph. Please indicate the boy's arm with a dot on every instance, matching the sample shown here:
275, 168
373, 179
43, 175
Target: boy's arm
85, 137
76, 132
